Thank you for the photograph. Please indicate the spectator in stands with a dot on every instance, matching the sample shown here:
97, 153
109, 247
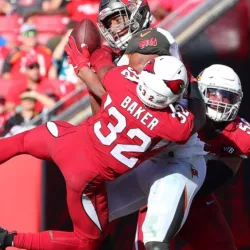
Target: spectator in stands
28, 8
4, 116
14, 65
61, 68
6, 8
54, 6
3, 53
79, 9
33, 86
162, 8
24, 116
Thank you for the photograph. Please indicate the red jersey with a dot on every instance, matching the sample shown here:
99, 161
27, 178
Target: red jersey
124, 130
43, 87
78, 10
232, 139
16, 61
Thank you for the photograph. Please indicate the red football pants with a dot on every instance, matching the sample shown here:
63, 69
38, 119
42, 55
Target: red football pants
204, 229
68, 147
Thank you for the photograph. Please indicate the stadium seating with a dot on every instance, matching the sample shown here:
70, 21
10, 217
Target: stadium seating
4, 86
9, 28
55, 24
49, 26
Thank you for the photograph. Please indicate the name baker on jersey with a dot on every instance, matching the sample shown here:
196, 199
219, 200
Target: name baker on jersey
139, 113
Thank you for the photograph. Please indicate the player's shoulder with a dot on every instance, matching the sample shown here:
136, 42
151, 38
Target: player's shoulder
178, 123
240, 126
240, 133
120, 75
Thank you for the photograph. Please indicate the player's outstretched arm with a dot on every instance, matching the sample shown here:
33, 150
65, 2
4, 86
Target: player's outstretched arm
102, 61
80, 60
47, 240
196, 105
36, 142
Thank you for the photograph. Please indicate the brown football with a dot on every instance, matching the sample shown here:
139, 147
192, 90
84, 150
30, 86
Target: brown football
86, 32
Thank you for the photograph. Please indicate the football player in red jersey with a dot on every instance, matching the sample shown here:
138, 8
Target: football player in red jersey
226, 138
177, 176
118, 138
118, 21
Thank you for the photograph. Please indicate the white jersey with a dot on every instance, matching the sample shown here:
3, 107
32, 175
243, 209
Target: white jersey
163, 182
173, 49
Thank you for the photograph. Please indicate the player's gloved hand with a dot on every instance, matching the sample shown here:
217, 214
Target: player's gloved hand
102, 57
6, 238
78, 59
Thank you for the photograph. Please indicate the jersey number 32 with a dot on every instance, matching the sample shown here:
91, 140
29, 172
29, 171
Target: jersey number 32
119, 149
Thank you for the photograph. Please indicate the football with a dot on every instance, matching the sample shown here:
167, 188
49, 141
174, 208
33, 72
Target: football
86, 32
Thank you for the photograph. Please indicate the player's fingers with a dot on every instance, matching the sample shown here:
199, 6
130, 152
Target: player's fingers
68, 49
85, 50
72, 43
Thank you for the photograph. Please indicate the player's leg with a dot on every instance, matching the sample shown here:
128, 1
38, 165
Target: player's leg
170, 199
138, 243
89, 213
125, 194
38, 142
86, 192
206, 227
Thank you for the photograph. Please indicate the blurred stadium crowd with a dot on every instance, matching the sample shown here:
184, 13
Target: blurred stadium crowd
34, 72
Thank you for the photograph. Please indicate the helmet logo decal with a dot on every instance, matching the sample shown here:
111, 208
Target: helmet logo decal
176, 86
148, 42
149, 67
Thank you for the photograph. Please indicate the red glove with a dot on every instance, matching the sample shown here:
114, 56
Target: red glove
76, 58
102, 57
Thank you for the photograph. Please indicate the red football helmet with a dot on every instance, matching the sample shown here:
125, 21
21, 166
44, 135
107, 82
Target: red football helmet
131, 15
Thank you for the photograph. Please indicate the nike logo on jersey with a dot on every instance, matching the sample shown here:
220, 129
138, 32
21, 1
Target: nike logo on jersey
144, 34
210, 202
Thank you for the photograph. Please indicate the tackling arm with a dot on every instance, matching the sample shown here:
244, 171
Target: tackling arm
196, 104
101, 60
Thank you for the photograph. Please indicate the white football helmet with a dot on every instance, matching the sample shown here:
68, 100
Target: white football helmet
162, 82
222, 92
